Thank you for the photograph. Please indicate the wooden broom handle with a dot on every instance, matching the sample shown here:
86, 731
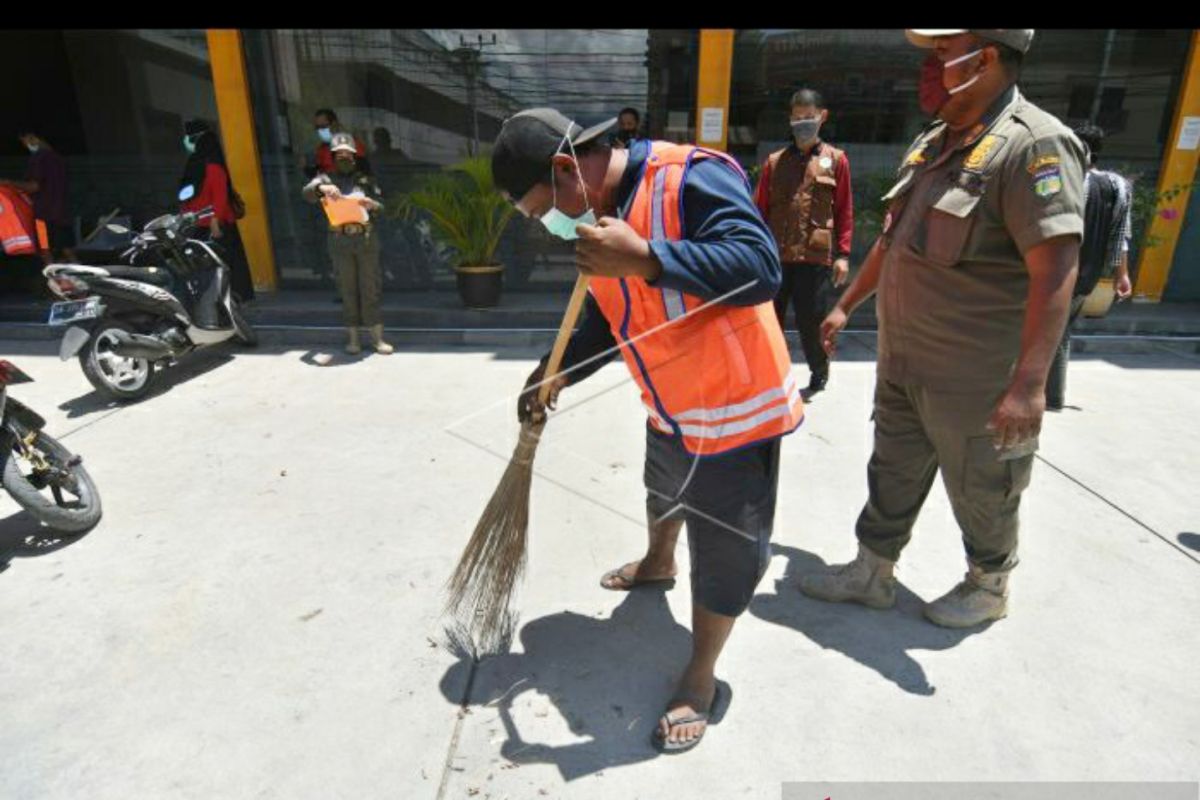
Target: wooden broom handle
564, 335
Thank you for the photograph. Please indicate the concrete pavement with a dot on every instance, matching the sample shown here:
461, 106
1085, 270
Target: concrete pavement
258, 614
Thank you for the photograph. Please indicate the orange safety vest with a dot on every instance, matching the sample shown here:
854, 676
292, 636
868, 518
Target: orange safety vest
717, 375
16, 223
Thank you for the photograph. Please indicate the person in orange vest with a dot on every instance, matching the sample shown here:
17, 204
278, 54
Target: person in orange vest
805, 196
683, 271
18, 232
46, 182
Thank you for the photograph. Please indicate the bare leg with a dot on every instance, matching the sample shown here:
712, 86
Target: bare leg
659, 561
694, 695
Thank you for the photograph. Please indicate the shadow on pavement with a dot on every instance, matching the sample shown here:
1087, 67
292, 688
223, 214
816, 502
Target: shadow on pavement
880, 640
192, 366
609, 679
334, 358
21, 536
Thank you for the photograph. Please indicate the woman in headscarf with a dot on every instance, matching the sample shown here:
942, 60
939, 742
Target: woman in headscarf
210, 185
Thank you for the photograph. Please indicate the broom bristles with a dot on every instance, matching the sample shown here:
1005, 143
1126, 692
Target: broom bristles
482, 586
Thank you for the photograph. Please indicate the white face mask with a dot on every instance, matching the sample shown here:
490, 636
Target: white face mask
960, 60
557, 222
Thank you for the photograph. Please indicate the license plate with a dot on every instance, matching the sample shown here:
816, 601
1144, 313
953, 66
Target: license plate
74, 310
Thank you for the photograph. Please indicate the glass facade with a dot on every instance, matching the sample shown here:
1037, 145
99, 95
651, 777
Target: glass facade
113, 103
420, 100
1126, 81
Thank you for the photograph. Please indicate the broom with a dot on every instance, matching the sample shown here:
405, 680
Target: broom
482, 586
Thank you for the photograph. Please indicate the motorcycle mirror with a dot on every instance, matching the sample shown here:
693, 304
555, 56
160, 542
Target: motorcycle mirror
187, 193
118, 229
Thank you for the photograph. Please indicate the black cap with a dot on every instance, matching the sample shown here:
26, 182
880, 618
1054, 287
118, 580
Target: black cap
527, 142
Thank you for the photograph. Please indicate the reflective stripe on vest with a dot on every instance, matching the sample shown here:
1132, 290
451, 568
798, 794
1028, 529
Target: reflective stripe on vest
672, 298
719, 376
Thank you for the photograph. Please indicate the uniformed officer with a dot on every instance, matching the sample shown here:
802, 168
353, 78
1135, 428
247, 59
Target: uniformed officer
973, 274
353, 247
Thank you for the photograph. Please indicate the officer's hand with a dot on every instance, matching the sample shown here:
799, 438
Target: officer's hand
613, 249
841, 271
1124, 286
330, 191
527, 403
1018, 416
831, 327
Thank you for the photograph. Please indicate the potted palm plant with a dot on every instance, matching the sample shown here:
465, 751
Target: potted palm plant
468, 215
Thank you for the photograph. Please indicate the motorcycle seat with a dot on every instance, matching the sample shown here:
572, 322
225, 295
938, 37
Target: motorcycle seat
155, 275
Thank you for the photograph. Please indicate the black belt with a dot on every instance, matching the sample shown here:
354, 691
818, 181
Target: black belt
352, 229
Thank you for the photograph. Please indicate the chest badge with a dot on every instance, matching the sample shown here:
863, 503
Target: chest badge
916, 156
980, 156
826, 162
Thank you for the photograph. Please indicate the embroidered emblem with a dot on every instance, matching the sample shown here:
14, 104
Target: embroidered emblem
979, 156
1048, 182
1043, 162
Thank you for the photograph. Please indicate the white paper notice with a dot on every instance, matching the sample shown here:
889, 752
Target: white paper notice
712, 124
1189, 134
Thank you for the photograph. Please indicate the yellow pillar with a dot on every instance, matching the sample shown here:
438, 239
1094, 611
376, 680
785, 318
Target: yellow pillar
1178, 169
712, 88
241, 150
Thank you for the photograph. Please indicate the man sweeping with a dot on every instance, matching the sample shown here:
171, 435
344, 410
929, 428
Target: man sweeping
683, 271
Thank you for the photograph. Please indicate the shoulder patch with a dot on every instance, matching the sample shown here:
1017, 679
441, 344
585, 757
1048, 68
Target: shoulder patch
1048, 182
1043, 162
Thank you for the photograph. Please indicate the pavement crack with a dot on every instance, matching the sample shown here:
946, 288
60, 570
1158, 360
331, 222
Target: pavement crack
463, 710
1117, 508
92, 422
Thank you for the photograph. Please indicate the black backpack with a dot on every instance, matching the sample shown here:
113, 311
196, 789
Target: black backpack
1100, 219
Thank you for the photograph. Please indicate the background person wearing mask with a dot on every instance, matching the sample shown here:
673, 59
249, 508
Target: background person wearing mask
804, 194
1105, 250
326, 124
973, 272
628, 122
353, 247
46, 183
206, 182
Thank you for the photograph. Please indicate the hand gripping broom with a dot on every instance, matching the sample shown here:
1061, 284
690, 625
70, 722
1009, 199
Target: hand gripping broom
481, 588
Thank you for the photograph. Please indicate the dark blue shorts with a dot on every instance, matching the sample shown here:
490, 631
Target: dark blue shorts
728, 504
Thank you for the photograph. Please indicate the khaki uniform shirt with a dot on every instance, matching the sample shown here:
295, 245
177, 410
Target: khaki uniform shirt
952, 291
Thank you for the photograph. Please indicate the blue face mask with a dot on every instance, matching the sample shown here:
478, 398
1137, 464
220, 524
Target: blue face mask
188, 144
326, 135
558, 223
32, 148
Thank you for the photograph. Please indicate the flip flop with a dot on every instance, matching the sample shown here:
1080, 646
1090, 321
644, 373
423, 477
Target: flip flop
715, 713
627, 583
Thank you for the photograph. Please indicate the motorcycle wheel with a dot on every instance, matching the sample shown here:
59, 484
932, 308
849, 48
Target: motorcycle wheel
69, 503
114, 376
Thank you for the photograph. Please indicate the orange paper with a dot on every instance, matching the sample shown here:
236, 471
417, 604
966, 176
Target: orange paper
344, 211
